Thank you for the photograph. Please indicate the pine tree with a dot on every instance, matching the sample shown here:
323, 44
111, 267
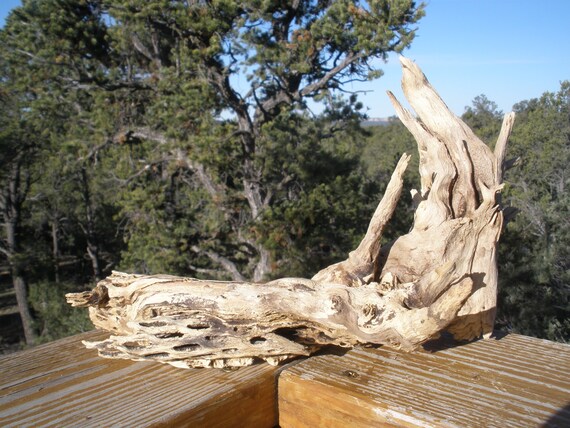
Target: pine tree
255, 64
181, 137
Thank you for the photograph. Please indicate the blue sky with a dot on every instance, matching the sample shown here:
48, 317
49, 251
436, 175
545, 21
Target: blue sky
509, 50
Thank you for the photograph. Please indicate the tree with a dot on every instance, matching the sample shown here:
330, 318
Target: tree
184, 128
61, 49
533, 260
194, 57
484, 117
539, 268
15, 182
18, 149
37, 131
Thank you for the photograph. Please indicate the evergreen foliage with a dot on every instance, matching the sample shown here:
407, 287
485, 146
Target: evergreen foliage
54, 318
172, 136
176, 136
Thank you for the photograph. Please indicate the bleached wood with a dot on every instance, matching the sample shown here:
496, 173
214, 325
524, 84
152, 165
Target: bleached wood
360, 263
442, 275
501, 145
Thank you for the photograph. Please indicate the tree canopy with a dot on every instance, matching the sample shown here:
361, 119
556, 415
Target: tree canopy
199, 138
218, 139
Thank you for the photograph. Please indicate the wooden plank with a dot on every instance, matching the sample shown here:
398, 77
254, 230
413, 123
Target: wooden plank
64, 384
515, 381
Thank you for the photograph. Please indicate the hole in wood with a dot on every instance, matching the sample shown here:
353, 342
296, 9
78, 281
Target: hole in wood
351, 373
200, 326
169, 335
152, 324
158, 355
258, 340
287, 333
133, 346
186, 348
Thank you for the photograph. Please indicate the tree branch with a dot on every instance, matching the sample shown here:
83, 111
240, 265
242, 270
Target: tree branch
214, 190
226, 263
501, 145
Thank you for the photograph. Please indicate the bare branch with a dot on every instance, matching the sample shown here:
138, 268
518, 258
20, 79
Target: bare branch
140, 47
226, 263
216, 191
501, 145
149, 134
350, 58
5, 251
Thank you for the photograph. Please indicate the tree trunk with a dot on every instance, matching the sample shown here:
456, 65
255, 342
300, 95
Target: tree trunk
18, 280
21, 289
440, 276
89, 228
55, 249
13, 198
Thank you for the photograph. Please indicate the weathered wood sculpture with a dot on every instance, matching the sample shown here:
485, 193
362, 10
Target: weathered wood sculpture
442, 275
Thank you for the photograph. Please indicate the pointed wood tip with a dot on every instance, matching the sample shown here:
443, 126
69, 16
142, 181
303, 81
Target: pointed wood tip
405, 62
411, 71
98, 297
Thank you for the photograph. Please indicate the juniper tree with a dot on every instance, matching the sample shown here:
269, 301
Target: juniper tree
231, 84
200, 113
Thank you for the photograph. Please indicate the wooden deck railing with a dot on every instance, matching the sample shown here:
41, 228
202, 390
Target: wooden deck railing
514, 381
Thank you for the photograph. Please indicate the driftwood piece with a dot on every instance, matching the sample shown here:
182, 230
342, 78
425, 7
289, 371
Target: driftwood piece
442, 275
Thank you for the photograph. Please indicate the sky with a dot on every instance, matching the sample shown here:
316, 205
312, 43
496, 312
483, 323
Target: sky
508, 50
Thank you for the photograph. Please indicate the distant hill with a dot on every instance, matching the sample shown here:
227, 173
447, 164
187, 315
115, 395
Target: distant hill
377, 121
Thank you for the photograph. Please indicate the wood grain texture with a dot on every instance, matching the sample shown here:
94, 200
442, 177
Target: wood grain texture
64, 384
516, 381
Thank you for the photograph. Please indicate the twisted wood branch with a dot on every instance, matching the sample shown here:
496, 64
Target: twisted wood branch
442, 275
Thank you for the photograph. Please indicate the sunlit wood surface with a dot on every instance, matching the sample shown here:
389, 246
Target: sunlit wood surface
63, 384
516, 381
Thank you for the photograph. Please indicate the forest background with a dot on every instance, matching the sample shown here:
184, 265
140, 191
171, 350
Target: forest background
126, 144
